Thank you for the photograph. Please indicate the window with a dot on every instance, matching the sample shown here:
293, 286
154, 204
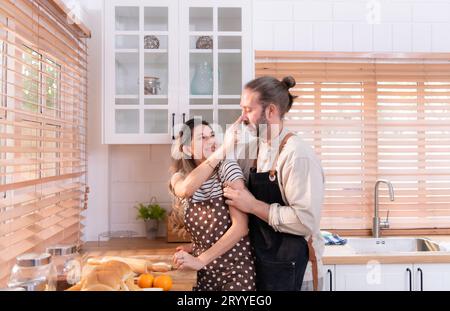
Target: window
2, 113
42, 131
40, 95
370, 118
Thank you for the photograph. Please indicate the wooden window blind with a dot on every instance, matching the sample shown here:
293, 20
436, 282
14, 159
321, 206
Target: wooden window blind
43, 105
369, 117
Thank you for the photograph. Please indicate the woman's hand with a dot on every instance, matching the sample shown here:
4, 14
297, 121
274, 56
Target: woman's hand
187, 248
183, 260
231, 137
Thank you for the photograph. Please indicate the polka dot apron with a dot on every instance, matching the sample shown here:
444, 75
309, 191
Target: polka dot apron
207, 221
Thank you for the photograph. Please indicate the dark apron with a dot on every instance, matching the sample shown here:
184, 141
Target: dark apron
281, 258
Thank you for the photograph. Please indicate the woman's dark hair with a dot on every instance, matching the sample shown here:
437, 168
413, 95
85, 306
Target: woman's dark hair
180, 161
273, 91
188, 128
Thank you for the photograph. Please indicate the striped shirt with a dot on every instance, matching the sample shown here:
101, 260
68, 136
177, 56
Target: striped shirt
213, 187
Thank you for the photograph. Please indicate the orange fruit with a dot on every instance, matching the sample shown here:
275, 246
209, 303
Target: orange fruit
145, 280
163, 281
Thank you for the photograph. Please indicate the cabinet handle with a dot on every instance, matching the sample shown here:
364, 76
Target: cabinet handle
184, 117
173, 126
421, 279
331, 279
410, 278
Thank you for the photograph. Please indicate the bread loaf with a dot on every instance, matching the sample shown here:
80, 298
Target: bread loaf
137, 265
111, 275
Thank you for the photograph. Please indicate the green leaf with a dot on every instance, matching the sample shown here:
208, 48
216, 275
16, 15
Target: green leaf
150, 211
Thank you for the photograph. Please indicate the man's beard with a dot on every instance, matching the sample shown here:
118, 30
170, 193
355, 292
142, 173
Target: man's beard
261, 125
259, 128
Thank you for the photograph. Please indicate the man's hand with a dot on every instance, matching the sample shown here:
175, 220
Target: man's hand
244, 200
241, 199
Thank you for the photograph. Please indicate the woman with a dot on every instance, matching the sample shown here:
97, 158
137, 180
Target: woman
221, 251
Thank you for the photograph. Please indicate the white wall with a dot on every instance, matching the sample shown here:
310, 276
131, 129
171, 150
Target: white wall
327, 25
97, 214
121, 175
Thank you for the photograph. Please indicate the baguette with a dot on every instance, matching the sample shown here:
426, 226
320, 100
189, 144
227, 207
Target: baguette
137, 265
161, 267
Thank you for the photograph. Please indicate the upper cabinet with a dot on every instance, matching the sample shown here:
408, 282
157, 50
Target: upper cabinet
167, 61
141, 71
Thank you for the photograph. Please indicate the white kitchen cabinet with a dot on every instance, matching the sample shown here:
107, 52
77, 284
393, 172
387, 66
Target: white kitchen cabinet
329, 278
132, 115
431, 277
374, 277
195, 79
387, 277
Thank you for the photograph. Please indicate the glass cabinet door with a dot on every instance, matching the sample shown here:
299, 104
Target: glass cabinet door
229, 58
201, 63
156, 77
213, 45
144, 62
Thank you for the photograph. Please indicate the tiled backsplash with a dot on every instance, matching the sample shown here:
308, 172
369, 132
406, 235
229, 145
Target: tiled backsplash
137, 172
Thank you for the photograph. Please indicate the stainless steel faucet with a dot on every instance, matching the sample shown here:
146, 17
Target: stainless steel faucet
377, 223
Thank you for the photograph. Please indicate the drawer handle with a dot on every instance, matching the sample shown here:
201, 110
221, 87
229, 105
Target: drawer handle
410, 278
173, 126
421, 279
331, 279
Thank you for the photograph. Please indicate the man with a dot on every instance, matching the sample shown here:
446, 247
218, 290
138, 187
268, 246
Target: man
285, 192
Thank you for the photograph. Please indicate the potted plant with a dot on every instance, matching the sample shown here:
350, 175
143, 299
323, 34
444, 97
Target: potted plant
152, 213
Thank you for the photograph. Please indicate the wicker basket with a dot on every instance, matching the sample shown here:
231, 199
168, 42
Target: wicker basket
176, 231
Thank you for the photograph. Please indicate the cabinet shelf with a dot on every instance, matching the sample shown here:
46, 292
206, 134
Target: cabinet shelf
229, 96
126, 50
155, 33
200, 96
127, 32
155, 51
200, 51
126, 96
231, 51
205, 51
137, 32
201, 33
156, 96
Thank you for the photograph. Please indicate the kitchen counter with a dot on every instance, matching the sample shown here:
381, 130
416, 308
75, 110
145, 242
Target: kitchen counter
155, 251
160, 250
343, 254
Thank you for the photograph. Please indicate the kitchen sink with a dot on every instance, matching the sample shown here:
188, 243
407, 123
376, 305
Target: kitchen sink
392, 244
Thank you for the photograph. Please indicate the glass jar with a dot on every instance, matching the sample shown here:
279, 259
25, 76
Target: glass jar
152, 86
34, 272
67, 261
